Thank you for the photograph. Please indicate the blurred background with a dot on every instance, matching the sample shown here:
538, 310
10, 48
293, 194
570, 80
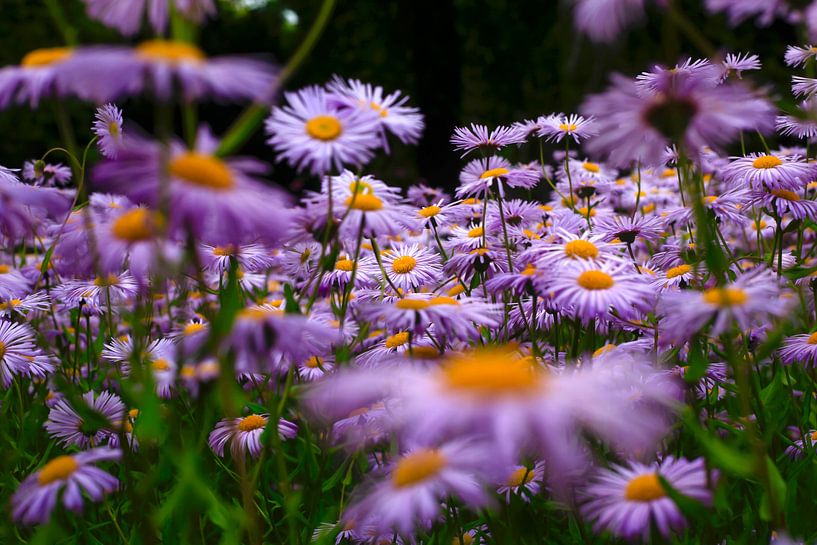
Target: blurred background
461, 61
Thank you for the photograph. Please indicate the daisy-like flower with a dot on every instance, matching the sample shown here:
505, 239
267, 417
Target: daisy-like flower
593, 289
629, 229
72, 475
801, 447
94, 295
244, 434
784, 202
404, 122
803, 124
108, 129
514, 403
679, 276
13, 283
35, 302
523, 481
219, 200
45, 174
69, 428
408, 266
36, 77
636, 121
738, 63
417, 482
481, 175
314, 367
162, 67
571, 247
803, 87
314, 134
556, 127
478, 137
19, 355
754, 295
760, 171
628, 500
799, 349
126, 17
799, 56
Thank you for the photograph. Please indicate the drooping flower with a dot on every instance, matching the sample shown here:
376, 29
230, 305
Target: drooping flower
604, 20
108, 128
127, 17
478, 137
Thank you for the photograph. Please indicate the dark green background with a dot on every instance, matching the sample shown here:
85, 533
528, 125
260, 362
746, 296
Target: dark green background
462, 61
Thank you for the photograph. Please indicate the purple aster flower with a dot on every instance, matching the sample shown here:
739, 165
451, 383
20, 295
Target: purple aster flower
19, 355
108, 128
408, 266
36, 77
592, 290
739, 10
801, 447
603, 20
395, 117
629, 229
802, 86
478, 137
126, 17
481, 175
423, 195
94, 295
798, 56
37, 495
627, 500
104, 73
13, 283
799, 349
680, 276
570, 247
784, 202
45, 174
555, 127
522, 481
244, 434
416, 484
762, 171
738, 63
753, 296
217, 200
637, 121
314, 134
35, 302
803, 124
69, 428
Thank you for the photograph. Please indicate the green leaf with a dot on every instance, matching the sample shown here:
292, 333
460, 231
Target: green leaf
777, 492
722, 455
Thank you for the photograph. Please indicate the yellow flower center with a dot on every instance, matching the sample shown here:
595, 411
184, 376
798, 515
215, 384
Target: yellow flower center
766, 161
202, 170
109, 280
57, 469
490, 372
344, 265
364, 202
412, 304
644, 488
604, 350
359, 186
456, 290
160, 364
417, 467
135, 225
252, 422
476, 232
429, 211
423, 353
494, 173
812, 338
398, 339
258, 314
2, 350
45, 57
725, 297
519, 477
595, 280
785, 194
384, 112
567, 127
403, 264
591, 167
224, 251
443, 300
581, 248
679, 270
192, 329
314, 362
709, 199
324, 127
4, 269
169, 51
529, 270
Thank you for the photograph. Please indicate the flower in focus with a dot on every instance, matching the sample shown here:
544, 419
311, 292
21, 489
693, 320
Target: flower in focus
761, 171
313, 134
108, 128
478, 137
555, 127
629, 500
481, 175
244, 434
19, 355
72, 475
799, 349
